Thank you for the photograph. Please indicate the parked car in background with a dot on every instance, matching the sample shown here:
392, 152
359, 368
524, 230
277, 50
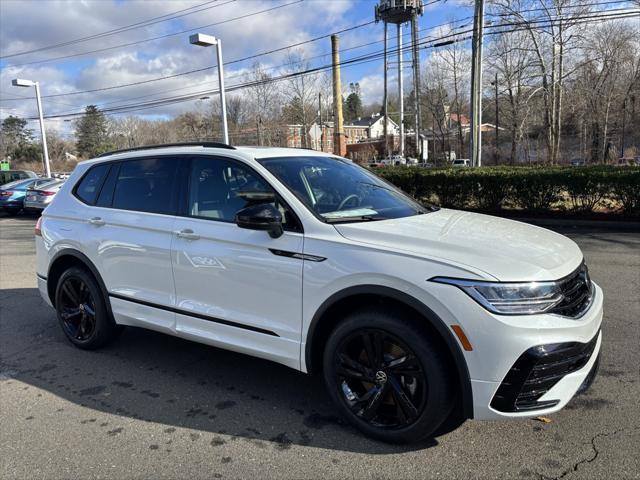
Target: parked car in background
461, 162
393, 160
578, 162
12, 194
7, 176
37, 199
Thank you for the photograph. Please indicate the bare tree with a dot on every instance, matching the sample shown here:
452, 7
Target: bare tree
301, 90
552, 39
510, 56
456, 61
264, 98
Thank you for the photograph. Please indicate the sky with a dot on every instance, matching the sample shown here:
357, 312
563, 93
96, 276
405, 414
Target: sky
36, 25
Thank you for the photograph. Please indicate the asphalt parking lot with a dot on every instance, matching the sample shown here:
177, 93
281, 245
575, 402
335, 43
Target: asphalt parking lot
153, 406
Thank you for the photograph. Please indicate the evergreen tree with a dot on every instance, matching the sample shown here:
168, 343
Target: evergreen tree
353, 104
91, 133
16, 140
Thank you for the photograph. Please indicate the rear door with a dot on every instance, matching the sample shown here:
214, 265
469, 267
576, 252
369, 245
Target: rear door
129, 230
236, 288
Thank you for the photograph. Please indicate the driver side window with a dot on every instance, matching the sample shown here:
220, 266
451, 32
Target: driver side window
219, 188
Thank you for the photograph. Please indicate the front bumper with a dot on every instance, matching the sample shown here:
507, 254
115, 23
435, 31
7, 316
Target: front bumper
547, 370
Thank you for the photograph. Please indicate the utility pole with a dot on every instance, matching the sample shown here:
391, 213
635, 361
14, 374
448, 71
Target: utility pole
259, 120
495, 82
385, 99
320, 115
624, 118
400, 90
476, 85
416, 85
339, 143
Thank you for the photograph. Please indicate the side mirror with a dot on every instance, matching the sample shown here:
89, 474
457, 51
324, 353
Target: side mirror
263, 216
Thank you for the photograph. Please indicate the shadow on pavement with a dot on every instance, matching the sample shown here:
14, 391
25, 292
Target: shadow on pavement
162, 379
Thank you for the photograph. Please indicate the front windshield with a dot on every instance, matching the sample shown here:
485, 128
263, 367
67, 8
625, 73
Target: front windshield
338, 190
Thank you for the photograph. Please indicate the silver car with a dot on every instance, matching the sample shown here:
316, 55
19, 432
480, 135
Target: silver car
38, 199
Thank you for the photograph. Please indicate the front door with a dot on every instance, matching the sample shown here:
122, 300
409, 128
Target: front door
232, 290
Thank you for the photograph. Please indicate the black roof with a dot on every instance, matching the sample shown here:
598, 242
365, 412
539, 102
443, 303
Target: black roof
364, 122
168, 145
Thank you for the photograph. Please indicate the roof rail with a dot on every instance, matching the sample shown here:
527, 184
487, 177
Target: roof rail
167, 145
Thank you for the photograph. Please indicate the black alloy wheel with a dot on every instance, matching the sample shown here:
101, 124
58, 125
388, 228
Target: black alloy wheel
82, 310
77, 309
389, 375
381, 379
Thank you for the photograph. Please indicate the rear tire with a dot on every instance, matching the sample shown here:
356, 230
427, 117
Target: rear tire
387, 376
82, 311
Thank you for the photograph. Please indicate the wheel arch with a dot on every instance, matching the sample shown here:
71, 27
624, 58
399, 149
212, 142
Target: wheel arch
345, 300
65, 259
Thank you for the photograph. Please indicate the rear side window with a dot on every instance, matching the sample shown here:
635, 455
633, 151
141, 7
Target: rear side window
146, 185
89, 187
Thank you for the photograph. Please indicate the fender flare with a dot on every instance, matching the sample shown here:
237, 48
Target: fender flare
434, 321
70, 252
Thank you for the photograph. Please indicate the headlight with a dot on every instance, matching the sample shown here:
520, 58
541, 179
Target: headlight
510, 298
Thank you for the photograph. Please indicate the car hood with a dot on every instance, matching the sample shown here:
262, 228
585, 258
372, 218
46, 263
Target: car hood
503, 249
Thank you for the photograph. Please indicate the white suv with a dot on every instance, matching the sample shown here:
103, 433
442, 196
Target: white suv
414, 315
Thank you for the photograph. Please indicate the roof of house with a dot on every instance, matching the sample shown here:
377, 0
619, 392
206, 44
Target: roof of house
459, 118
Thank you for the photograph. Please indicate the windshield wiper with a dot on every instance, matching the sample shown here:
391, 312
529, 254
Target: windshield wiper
354, 218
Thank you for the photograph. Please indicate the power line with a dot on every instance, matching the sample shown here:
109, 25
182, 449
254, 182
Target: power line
189, 72
281, 49
434, 43
143, 23
167, 35
231, 62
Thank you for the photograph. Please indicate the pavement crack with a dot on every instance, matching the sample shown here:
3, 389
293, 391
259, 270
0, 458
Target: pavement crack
591, 458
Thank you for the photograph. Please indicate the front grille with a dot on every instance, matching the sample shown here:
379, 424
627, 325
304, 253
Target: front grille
577, 291
537, 371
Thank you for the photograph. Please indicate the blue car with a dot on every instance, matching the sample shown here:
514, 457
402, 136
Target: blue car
12, 194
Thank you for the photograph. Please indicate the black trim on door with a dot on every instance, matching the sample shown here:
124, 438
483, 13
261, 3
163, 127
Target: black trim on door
191, 313
298, 255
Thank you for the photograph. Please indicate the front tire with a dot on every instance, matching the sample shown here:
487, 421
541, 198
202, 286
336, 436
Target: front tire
387, 376
82, 311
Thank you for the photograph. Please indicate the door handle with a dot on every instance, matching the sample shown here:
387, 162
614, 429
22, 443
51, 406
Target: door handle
97, 221
187, 234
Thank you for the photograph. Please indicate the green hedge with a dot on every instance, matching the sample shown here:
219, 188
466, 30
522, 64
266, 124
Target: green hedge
535, 189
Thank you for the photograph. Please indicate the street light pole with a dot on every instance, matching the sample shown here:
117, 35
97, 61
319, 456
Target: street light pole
19, 82
223, 102
203, 40
45, 151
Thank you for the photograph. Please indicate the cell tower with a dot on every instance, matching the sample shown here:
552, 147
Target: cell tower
400, 12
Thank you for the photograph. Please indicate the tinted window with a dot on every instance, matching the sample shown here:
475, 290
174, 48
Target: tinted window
219, 188
106, 192
89, 187
146, 185
341, 191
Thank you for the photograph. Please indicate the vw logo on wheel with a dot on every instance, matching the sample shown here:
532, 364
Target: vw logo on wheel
381, 377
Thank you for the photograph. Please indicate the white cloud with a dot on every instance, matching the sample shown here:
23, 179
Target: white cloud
26, 25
